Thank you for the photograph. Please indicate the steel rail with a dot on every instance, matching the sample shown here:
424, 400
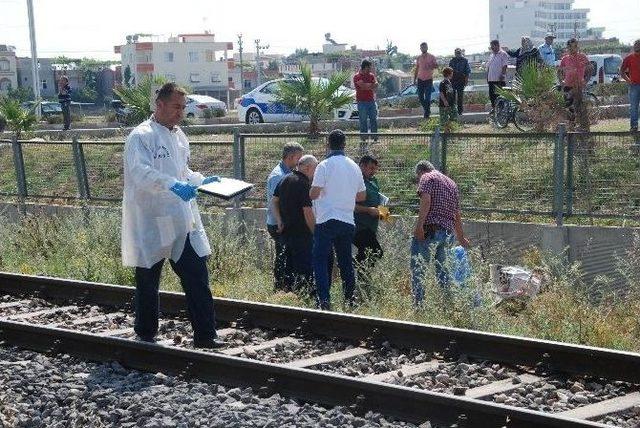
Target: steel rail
408, 404
549, 355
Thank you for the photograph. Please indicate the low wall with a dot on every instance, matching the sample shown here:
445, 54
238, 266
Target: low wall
597, 249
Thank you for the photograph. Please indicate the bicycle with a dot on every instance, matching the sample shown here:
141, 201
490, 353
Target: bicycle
507, 111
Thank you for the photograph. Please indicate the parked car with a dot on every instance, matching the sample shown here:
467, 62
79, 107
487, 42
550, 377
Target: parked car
260, 105
606, 68
197, 104
410, 92
47, 108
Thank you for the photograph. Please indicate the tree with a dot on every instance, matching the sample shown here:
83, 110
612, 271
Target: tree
18, 119
138, 97
314, 97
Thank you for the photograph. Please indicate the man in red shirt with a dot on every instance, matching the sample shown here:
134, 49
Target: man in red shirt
366, 84
630, 73
574, 68
426, 64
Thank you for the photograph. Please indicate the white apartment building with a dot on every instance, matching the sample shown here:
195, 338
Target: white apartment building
8, 69
193, 60
509, 20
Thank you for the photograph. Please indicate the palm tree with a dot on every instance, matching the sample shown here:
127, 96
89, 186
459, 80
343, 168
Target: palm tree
138, 97
314, 97
18, 119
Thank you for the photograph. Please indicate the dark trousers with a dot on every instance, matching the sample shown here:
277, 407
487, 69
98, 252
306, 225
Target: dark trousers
369, 251
279, 261
298, 266
337, 235
458, 92
66, 115
425, 87
493, 95
194, 278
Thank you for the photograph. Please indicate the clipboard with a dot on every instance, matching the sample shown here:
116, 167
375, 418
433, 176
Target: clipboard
226, 188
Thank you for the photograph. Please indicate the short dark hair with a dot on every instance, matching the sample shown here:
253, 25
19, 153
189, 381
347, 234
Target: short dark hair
495, 42
368, 159
424, 43
365, 63
168, 89
448, 71
291, 148
337, 140
572, 40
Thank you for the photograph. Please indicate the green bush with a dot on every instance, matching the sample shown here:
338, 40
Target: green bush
409, 102
210, 113
608, 89
476, 98
433, 123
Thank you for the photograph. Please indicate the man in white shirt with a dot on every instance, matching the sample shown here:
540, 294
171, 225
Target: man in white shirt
160, 219
337, 185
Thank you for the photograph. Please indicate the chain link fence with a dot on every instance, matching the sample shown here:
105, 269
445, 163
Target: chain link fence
561, 174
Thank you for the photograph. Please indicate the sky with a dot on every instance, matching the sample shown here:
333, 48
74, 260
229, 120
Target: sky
90, 28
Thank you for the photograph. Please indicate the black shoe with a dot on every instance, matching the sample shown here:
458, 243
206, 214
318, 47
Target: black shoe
209, 343
146, 339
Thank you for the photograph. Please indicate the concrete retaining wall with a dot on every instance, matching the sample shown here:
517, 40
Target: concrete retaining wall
597, 249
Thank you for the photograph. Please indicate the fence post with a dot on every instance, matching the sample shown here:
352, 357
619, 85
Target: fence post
236, 154
81, 169
443, 153
570, 178
243, 158
21, 176
435, 157
558, 175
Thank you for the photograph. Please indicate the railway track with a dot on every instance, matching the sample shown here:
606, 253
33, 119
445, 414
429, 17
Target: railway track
409, 371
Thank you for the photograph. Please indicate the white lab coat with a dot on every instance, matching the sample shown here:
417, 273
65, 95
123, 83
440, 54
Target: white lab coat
155, 221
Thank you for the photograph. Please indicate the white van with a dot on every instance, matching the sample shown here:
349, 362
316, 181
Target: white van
606, 68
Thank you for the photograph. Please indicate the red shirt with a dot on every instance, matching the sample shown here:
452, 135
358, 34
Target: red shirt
445, 200
574, 67
632, 66
364, 94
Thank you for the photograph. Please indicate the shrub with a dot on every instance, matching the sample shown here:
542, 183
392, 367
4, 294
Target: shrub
409, 102
209, 113
476, 98
433, 123
608, 89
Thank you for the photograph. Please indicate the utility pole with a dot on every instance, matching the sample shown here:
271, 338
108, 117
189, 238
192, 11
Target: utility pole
258, 47
575, 30
241, 65
35, 75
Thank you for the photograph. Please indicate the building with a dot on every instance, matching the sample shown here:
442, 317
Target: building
46, 72
509, 20
8, 69
193, 60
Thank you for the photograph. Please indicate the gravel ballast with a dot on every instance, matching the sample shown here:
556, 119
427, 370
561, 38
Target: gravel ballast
37, 390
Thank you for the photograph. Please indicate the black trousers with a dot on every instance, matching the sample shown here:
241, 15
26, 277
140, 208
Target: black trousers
425, 87
66, 115
298, 263
458, 92
369, 251
279, 261
493, 95
194, 278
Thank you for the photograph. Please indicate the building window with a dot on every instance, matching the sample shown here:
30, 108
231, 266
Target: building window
44, 83
4, 65
168, 57
215, 78
210, 55
247, 84
194, 77
193, 57
170, 77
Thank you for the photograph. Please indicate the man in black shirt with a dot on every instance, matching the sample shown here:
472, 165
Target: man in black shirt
461, 73
448, 110
294, 215
64, 98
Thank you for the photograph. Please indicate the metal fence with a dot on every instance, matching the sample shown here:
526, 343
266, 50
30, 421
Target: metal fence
554, 174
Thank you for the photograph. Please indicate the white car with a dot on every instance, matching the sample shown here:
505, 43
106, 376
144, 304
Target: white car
197, 104
260, 105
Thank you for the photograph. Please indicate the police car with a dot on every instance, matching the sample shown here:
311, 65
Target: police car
260, 105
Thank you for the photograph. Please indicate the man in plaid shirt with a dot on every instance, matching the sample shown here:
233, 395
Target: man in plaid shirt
439, 220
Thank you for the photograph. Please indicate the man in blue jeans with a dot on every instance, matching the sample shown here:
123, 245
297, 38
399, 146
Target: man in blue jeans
439, 220
630, 73
366, 84
337, 185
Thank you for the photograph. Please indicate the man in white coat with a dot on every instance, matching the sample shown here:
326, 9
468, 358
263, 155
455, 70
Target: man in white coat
160, 219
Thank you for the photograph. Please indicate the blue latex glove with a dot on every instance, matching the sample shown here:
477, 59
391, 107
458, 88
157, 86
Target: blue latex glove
212, 179
185, 191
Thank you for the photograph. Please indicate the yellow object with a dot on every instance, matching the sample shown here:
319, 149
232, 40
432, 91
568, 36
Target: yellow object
385, 214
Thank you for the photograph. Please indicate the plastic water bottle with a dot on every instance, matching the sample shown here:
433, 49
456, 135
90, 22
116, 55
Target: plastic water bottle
461, 265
